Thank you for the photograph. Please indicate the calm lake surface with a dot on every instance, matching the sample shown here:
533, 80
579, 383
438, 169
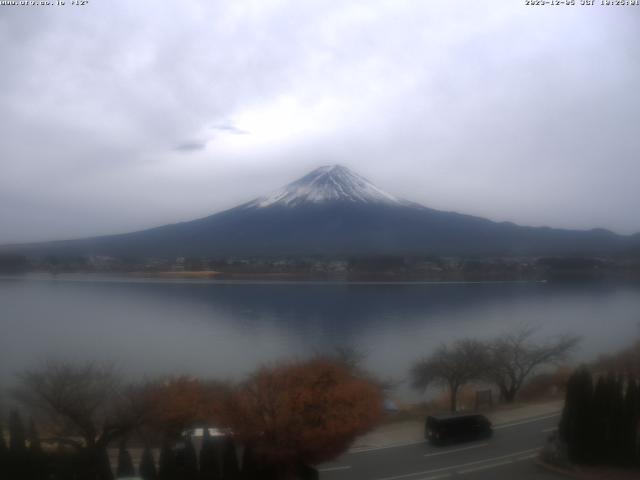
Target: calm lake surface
226, 329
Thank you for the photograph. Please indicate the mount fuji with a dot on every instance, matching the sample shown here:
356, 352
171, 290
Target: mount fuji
331, 183
334, 211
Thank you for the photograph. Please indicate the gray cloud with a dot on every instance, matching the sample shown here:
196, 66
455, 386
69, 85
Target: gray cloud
231, 129
190, 146
490, 108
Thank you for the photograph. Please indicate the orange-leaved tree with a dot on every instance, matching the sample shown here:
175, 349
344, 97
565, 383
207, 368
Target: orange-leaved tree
303, 413
181, 402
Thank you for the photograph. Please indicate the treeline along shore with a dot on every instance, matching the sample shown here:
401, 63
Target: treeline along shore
348, 268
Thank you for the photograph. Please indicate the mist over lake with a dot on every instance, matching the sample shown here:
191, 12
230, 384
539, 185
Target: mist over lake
225, 329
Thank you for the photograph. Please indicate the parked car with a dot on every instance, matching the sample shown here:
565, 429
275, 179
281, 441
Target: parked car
445, 429
196, 435
198, 432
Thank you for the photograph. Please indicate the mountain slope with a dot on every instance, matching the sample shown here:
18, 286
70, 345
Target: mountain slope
334, 211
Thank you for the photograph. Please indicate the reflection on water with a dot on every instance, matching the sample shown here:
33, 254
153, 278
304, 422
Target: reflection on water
226, 329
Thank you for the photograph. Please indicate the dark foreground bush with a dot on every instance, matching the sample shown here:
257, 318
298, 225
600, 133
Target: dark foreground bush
601, 424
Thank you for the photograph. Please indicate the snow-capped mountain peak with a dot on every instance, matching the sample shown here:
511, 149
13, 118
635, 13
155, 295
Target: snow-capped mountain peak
330, 183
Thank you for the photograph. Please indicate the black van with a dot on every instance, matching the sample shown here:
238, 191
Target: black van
444, 429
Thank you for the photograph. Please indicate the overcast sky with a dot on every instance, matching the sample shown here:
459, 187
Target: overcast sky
122, 115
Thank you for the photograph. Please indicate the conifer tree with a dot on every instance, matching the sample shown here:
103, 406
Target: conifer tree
600, 419
147, 467
249, 464
37, 459
609, 451
35, 447
575, 424
103, 465
637, 430
631, 418
566, 426
17, 438
167, 469
254, 466
188, 462
3, 443
125, 463
617, 421
4, 453
17, 463
210, 468
230, 460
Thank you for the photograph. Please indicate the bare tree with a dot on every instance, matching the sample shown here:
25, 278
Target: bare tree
84, 406
452, 367
515, 356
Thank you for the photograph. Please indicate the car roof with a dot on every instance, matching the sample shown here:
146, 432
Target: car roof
199, 432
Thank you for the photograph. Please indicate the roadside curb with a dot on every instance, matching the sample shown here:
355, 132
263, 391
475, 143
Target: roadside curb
578, 474
557, 469
528, 419
369, 448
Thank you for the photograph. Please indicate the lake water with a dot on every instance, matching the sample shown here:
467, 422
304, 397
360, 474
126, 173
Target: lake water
226, 329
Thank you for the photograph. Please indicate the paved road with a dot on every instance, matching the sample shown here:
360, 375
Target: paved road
509, 454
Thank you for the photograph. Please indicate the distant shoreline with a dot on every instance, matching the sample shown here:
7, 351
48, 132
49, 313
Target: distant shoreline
212, 277
195, 274
369, 277
380, 277
218, 276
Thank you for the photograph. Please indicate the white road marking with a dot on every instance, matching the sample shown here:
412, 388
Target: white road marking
484, 467
547, 430
334, 469
485, 460
527, 457
510, 456
456, 450
436, 477
395, 445
537, 419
